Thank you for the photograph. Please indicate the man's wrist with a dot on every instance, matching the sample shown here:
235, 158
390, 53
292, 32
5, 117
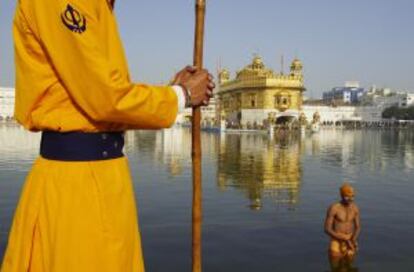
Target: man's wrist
187, 95
181, 97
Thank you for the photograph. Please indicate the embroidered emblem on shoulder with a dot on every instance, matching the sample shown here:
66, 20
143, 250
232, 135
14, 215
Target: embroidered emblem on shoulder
73, 19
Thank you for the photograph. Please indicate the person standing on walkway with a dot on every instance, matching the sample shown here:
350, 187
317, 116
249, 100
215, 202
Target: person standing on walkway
77, 210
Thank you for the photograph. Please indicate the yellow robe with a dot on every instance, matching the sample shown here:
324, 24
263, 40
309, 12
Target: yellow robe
75, 216
71, 75
68, 80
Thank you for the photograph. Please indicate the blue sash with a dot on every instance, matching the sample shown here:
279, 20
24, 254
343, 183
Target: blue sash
81, 146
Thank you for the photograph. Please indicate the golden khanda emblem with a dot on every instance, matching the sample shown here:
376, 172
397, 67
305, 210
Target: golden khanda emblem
73, 19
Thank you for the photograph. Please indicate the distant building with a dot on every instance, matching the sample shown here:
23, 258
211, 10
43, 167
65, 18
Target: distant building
7, 98
257, 92
406, 100
385, 98
382, 97
208, 115
371, 105
351, 93
332, 115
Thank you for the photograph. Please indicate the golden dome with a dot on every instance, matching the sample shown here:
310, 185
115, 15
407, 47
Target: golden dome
255, 69
224, 75
224, 72
257, 61
296, 63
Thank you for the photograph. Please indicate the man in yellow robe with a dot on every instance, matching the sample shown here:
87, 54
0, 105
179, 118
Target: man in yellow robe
77, 210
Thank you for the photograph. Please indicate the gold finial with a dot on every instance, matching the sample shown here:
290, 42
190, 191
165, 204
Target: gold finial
257, 62
296, 64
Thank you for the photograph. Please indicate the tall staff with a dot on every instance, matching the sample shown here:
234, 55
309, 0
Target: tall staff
200, 8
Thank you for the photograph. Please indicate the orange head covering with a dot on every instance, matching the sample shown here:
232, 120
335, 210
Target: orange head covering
347, 190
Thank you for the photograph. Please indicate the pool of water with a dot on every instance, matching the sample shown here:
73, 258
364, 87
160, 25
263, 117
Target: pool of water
264, 198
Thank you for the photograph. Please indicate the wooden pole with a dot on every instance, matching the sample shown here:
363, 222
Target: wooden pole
196, 142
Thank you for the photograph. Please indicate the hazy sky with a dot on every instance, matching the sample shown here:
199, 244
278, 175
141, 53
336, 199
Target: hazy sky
371, 41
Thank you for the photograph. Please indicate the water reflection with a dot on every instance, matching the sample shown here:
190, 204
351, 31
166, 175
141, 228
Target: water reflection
17, 147
253, 170
261, 167
251, 163
342, 265
255, 164
170, 147
373, 149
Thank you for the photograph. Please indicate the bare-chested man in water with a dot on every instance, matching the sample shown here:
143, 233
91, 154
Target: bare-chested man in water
342, 224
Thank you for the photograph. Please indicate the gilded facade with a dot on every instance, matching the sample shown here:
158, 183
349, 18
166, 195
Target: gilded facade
257, 91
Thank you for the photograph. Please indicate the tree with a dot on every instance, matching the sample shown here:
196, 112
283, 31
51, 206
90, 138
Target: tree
399, 113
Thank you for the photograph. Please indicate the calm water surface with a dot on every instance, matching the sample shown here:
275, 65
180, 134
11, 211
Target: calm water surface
264, 199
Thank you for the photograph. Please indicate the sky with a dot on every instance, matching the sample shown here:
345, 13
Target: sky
370, 41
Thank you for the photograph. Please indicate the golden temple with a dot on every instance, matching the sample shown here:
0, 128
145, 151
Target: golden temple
257, 92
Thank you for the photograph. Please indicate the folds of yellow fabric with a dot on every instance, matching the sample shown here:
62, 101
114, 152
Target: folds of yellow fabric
339, 248
75, 216
78, 80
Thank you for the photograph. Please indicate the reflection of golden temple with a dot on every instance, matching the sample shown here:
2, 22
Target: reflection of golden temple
261, 168
172, 148
256, 91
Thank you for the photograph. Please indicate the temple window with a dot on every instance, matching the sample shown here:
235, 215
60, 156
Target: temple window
277, 100
253, 100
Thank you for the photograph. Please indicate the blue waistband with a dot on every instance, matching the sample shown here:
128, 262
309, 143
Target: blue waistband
81, 146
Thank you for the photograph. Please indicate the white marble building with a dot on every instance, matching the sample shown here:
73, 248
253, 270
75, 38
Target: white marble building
208, 115
344, 113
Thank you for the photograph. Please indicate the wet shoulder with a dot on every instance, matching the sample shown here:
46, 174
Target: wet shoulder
355, 207
333, 208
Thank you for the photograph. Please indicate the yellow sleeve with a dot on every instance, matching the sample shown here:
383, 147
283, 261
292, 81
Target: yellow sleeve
77, 36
